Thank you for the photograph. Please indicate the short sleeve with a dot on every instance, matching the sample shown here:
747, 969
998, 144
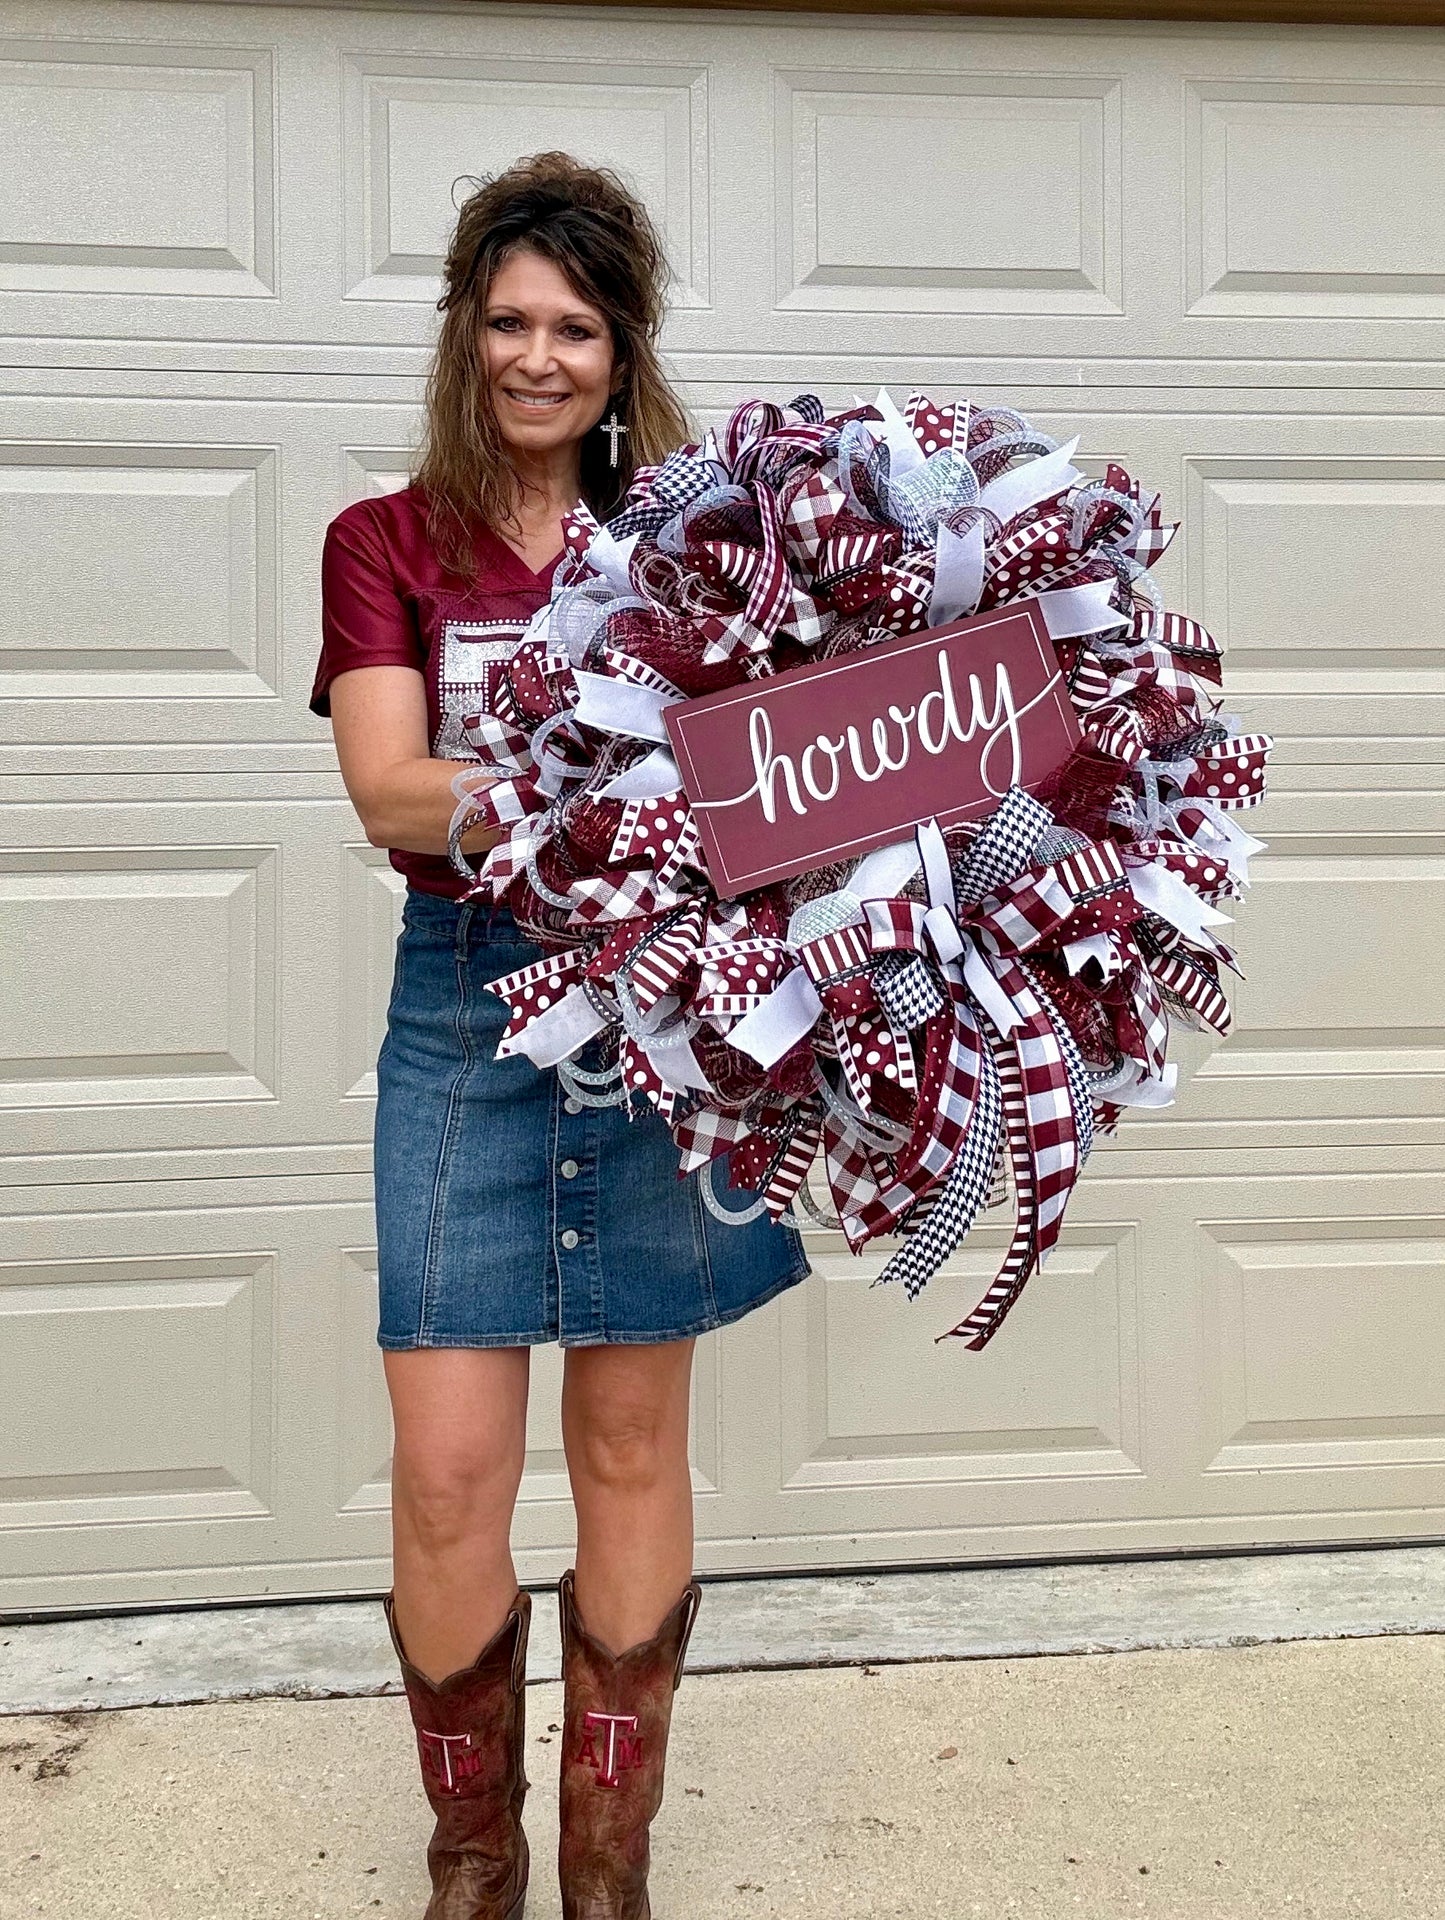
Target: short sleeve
364, 620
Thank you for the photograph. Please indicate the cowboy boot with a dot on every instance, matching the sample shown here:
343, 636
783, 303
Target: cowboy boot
470, 1735
616, 1711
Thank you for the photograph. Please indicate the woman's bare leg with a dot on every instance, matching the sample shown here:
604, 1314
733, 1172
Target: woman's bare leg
460, 1417
625, 1429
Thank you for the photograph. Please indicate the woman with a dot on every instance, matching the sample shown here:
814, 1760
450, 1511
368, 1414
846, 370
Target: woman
506, 1214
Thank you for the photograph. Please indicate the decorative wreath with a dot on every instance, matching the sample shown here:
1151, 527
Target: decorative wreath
952, 1018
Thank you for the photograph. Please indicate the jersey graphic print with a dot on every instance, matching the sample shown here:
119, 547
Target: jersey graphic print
472, 655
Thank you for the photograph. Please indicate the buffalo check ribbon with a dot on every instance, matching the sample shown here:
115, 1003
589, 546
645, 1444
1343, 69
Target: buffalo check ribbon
1034, 1082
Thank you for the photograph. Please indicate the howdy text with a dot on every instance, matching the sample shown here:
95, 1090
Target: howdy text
935, 722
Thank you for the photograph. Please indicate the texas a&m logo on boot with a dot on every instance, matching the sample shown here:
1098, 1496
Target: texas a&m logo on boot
610, 1745
448, 1760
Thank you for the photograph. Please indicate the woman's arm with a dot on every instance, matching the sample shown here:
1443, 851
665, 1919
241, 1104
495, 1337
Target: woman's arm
402, 796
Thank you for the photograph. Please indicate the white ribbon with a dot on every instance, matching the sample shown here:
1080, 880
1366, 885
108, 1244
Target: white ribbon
939, 922
1035, 480
937, 872
951, 942
789, 1011
1102, 947
651, 779
553, 771
1228, 840
1141, 1091
885, 871
904, 451
983, 984
671, 1056
1164, 893
559, 1032
612, 558
1071, 611
1158, 818
617, 706
957, 573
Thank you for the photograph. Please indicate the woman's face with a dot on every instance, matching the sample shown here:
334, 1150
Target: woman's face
547, 354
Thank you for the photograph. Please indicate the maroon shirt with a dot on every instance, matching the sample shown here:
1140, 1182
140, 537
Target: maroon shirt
386, 601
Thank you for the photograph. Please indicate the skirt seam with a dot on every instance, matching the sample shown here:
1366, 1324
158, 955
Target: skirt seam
449, 1125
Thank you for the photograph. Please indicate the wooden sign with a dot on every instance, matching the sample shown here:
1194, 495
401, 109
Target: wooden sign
823, 762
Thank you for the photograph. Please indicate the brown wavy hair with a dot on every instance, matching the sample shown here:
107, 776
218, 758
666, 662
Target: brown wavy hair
599, 235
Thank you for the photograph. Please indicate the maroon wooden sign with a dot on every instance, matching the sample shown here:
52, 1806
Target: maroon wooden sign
828, 761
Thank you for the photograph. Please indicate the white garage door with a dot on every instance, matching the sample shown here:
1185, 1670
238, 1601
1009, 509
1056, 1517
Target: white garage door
1217, 251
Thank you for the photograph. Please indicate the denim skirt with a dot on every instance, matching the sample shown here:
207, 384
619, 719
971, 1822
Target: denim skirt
509, 1214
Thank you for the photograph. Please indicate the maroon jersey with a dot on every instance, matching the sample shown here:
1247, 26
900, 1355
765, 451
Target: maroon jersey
386, 601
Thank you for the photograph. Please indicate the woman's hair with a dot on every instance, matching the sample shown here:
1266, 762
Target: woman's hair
599, 236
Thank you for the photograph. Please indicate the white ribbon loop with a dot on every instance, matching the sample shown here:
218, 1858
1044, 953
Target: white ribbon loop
983, 985
1071, 611
651, 779
612, 558
904, 451
940, 922
1035, 480
1228, 839
1164, 893
789, 1012
559, 1032
618, 706
885, 871
950, 941
673, 1061
944, 934
958, 563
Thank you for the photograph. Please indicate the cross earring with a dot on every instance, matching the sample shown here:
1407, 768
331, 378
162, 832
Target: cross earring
614, 431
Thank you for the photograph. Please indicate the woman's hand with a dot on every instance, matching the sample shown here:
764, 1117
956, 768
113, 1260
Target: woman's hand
402, 795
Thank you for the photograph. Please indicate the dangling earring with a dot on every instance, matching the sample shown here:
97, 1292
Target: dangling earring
614, 431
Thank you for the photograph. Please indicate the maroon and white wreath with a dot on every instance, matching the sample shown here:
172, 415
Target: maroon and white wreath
955, 1017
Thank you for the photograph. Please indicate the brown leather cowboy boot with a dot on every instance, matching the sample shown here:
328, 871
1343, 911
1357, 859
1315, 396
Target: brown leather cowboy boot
470, 1734
616, 1712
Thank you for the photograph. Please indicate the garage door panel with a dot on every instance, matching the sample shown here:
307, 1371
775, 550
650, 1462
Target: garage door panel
415, 125
138, 169
1314, 199
145, 975
86, 1343
1328, 1025
161, 1352
1332, 929
177, 982
170, 564
870, 216
141, 563
1324, 1342
847, 1346
1319, 566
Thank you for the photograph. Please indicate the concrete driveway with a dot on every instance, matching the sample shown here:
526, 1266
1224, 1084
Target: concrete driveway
1304, 1778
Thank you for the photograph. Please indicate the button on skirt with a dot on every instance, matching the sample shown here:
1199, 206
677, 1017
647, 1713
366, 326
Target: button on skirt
509, 1215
